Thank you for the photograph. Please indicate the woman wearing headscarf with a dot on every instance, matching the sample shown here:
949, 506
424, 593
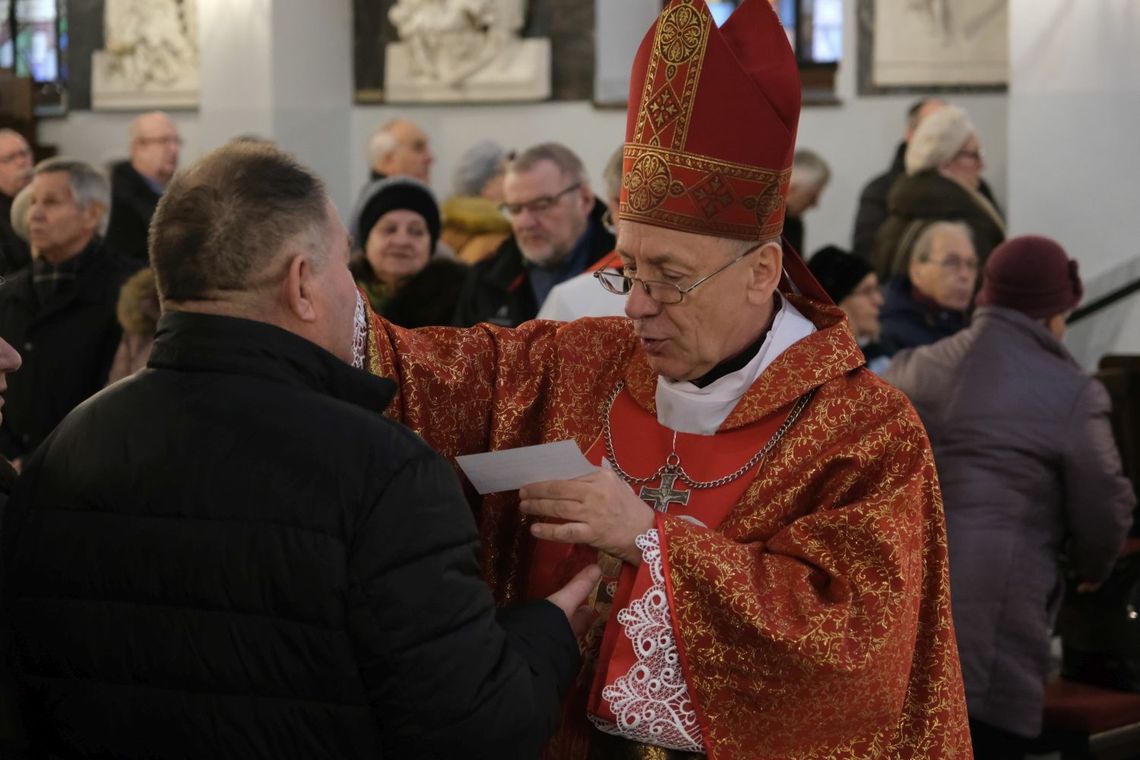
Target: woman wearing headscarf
397, 228
943, 172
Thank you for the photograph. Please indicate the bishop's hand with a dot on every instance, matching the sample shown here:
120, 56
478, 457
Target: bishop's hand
599, 510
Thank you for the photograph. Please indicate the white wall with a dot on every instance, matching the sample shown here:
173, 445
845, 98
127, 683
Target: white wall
857, 138
1074, 105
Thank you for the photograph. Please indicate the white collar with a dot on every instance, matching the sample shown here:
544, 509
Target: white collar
684, 407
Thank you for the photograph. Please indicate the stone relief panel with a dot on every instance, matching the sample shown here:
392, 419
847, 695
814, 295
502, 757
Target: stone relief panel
150, 55
464, 51
567, 24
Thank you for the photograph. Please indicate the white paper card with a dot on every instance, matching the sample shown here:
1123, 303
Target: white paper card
511, 469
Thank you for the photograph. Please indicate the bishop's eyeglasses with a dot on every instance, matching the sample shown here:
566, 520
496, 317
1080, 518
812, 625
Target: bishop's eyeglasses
665, 293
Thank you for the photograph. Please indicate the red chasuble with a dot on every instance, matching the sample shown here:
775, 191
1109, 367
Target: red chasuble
812, 618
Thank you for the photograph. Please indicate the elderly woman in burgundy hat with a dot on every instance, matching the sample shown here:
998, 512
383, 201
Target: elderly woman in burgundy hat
1028, 468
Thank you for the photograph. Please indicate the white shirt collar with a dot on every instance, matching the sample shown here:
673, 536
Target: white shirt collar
684, 407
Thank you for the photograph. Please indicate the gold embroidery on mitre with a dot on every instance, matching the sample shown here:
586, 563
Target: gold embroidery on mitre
647, 183
710, 195
766, 203
672, 74
682, 34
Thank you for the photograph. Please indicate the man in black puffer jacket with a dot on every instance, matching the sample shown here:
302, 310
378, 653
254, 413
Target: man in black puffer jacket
231, 555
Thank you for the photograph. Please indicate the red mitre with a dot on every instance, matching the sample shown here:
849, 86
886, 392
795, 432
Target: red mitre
709, 147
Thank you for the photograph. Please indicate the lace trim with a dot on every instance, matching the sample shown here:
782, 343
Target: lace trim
651, 702
359, 333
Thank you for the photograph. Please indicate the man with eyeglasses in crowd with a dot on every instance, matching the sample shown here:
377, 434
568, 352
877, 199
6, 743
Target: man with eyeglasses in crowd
932, 299
15, 175
765, 510
557, 233
137, 184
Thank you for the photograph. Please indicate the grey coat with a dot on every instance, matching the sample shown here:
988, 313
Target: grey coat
1029, 470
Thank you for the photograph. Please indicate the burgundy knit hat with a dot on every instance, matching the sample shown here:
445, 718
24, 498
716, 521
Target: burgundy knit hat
1033, 275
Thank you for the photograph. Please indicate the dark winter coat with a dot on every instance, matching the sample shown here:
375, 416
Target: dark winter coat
873, 211
232, 554
928, 197
426, 299
133, 201
1029, 470
14, 251
908, 320
67, 345
498, 288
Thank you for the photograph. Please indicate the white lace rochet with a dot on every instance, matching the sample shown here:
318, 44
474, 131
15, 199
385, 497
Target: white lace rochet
359, 333
651, 702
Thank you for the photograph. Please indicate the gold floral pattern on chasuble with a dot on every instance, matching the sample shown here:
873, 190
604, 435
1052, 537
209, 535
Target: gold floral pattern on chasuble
815, 621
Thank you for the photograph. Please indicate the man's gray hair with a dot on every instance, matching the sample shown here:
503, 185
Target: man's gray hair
558, 154
924, 243
809, 169
88, 185
611, 175
223, 224
383, 143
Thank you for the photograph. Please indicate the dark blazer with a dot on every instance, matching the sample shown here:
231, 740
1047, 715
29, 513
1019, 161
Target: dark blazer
234, 554
1029, 470
67, 345
133, 202
498, 287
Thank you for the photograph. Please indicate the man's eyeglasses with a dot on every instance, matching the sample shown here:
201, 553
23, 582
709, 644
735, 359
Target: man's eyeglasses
174, 140
665, 293
538, 205
15, 155
975, 155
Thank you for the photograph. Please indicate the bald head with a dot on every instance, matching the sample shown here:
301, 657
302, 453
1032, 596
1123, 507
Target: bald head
401, 149
155, 145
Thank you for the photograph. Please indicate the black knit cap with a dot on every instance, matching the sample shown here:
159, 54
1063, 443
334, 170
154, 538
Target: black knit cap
397, 194
838, 271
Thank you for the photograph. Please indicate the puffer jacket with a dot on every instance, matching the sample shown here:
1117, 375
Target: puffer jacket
1029, 471
232, 554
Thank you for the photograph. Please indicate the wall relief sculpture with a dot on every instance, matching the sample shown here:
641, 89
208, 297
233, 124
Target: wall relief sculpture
150, 59
464, 51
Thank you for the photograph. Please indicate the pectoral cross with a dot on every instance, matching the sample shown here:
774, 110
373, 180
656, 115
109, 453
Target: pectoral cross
661, 497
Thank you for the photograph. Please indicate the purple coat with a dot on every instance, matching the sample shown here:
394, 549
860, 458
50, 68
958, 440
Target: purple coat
1029, 470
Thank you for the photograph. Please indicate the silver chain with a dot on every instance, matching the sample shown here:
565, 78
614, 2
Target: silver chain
673, 461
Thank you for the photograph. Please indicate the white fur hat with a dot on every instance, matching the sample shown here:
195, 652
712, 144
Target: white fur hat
938, 139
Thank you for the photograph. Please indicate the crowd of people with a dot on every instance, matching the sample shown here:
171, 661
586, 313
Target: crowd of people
234, 530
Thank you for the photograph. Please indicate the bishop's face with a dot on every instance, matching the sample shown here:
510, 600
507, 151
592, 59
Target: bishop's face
716, 320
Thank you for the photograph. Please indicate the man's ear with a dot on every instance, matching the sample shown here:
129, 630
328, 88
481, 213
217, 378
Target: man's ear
587, 196
765, 267
297, 289
93, 214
